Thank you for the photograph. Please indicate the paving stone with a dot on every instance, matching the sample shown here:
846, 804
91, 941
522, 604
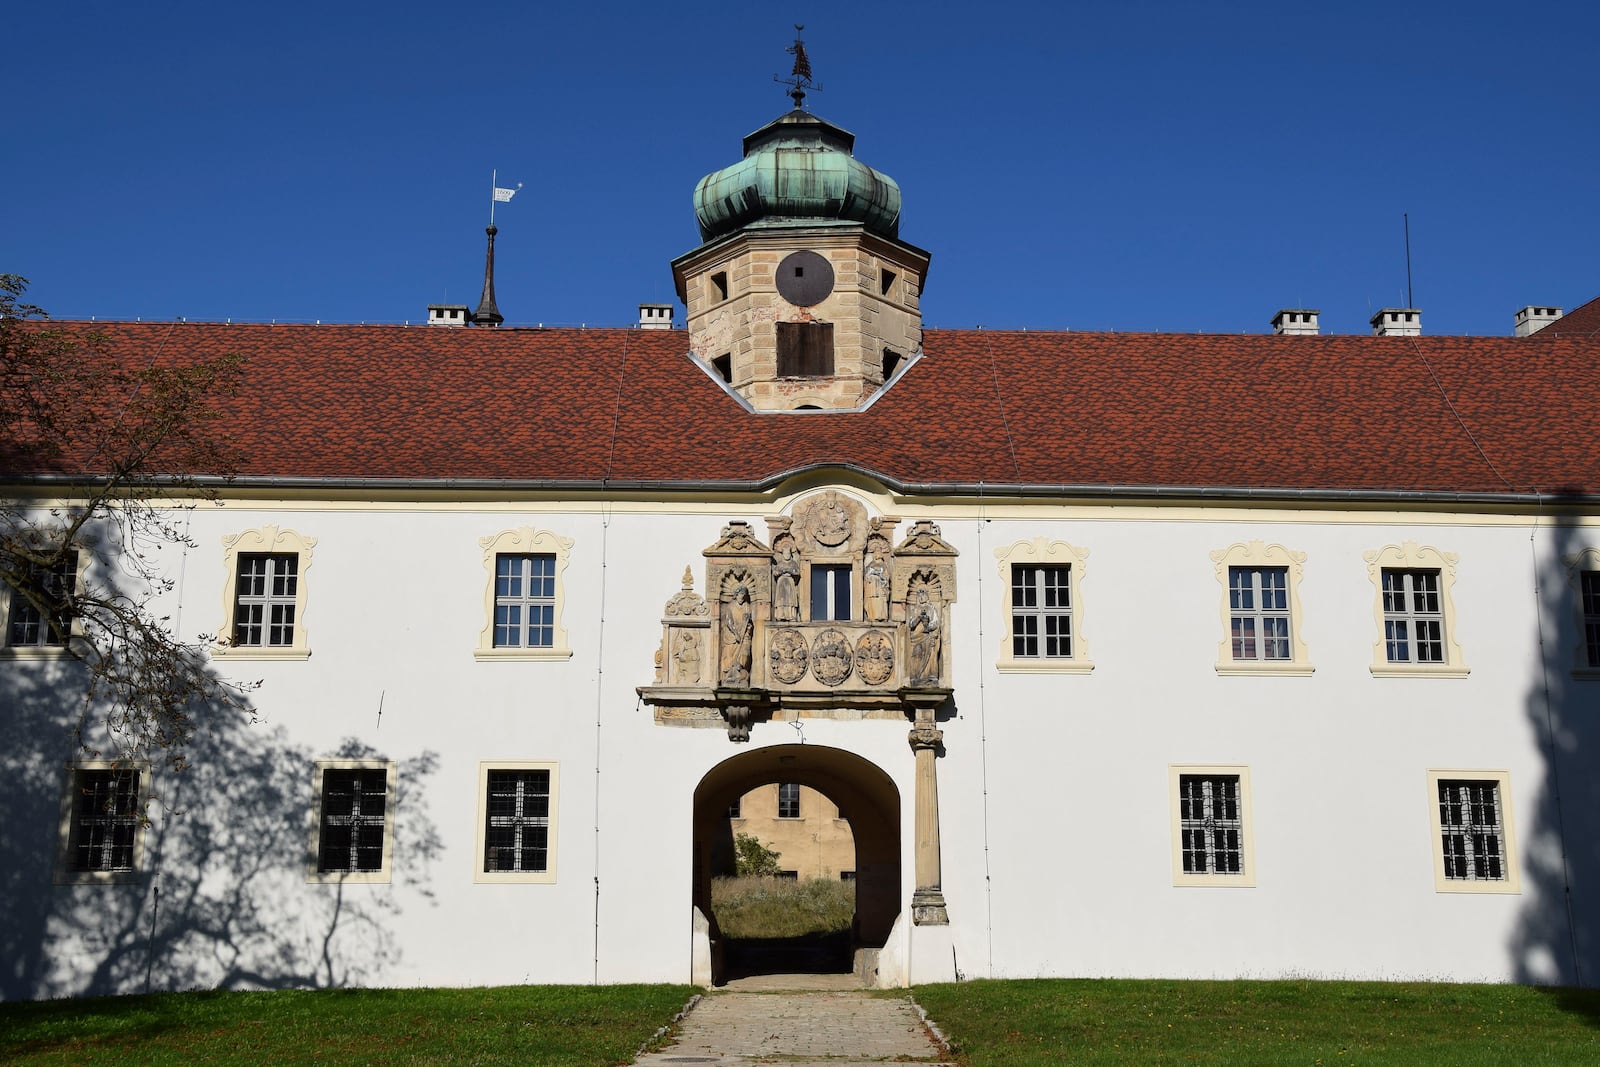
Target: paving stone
800, 1028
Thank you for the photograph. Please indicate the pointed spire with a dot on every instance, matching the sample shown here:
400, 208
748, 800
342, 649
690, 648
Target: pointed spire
488, 314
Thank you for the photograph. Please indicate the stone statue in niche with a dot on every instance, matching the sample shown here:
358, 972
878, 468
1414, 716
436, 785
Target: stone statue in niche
876, 580
686, 657
738, 625
785, 581
922, 625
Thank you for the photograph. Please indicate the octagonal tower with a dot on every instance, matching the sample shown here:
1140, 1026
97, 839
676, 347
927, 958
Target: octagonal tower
802, 294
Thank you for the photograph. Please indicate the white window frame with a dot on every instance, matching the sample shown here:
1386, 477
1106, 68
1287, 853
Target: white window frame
1413, 557
1245, 878
524, 541
528, 604
1501, 781
1579, 564
12, 601
1043, 552
65, 872
544, 877
1258, 556
314, 872
268, 541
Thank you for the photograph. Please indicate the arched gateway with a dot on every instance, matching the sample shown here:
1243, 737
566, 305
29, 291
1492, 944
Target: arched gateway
865, 795
827, 618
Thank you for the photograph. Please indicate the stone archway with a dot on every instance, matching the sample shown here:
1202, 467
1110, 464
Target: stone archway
866, 796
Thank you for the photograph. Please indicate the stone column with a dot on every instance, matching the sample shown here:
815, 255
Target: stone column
927, 901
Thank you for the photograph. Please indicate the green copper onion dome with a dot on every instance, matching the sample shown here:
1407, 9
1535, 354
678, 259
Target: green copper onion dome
797, 167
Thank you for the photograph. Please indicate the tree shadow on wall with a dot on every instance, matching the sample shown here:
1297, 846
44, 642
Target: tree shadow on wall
221, 899
1554, 944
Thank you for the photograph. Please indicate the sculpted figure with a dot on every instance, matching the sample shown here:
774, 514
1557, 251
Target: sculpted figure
924, 629
877, 582
786, 582
738, 623
687, 657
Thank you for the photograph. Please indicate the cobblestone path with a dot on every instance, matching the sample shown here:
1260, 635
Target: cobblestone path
837, 1028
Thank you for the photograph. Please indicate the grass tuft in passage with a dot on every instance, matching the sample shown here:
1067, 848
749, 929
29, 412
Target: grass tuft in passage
781, 907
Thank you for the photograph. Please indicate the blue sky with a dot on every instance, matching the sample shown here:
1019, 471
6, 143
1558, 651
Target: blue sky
1117, 165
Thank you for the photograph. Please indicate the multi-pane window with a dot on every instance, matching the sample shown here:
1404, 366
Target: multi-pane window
516, 836
1258, 611
1211, 823
265, 596
27, 625
524, 600
1589, 592
355, 807
830, 591
788, 801
105, 820
1041, 611
1471, 830
1413, 616
735, 808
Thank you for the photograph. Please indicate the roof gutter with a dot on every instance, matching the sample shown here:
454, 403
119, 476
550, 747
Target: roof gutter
1078, 491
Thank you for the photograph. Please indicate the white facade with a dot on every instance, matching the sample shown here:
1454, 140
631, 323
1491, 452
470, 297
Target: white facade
1055, 796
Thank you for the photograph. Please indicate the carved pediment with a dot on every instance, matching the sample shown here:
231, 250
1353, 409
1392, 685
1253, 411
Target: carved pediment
738, 540
924, 539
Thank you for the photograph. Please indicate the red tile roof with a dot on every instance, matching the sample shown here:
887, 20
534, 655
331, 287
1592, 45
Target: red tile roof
1582, 322
1446, 415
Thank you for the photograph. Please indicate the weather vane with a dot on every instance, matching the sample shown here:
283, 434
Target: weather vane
799, 79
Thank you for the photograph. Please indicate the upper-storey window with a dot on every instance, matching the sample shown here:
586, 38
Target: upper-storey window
805, 349
523, 597
26, 625
265, 594
788, 800
1589, 601
1041, 586
1260, 610
524, 600
1415, 612
830, 591
1258, 606
1041, 611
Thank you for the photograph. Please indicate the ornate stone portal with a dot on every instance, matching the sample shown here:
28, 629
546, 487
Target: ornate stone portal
830, 620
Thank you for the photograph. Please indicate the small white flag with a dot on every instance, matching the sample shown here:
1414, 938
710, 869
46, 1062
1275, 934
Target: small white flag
503, 196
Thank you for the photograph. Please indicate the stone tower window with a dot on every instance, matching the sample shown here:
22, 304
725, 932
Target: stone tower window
719, 287
885, 281
805, 349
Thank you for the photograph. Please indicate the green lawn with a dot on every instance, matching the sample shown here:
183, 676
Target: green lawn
534, 1026
1058, 1022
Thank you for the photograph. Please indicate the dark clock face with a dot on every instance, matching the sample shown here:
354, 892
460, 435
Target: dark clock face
804, 279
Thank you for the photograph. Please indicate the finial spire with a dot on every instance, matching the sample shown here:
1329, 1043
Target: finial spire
488, 314
799, 79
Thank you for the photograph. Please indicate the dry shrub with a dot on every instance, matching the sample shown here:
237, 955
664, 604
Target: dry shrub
782, 907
